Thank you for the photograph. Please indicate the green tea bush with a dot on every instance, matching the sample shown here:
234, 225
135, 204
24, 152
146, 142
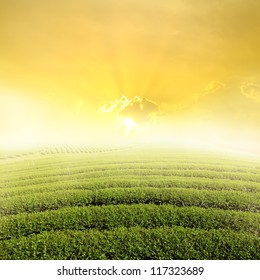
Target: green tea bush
134, 243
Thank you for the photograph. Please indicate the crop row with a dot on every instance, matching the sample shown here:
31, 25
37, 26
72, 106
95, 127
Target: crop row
126, 182
133, 157
179, 197
68, 175
60, 150
134, 243
25, 180
113, 216
94, 166
57, 150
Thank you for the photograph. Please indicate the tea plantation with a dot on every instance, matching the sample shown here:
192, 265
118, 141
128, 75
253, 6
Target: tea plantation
129, 203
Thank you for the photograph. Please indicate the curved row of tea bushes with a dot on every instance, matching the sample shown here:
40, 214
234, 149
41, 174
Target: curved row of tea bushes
132, 182
138, 203
229, 200
134, 243
112, 216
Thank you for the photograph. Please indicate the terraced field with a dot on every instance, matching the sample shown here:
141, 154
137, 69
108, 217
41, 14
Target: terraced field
131, 203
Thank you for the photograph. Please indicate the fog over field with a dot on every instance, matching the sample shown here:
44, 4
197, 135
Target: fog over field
129, 129
95, 72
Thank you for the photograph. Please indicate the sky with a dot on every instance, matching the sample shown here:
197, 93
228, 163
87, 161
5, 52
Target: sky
93, 71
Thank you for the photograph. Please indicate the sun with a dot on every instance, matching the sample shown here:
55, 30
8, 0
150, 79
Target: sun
129, 124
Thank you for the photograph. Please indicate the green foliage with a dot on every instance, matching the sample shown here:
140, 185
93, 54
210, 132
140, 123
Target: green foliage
112, 216
179, 197
131, 182
79, 203
134, 243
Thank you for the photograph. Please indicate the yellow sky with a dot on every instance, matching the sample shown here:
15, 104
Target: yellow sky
61, 60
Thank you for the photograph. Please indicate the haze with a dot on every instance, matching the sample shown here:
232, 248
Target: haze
198, 61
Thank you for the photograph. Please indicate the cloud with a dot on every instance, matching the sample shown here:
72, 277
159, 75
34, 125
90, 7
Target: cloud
109, 107
198, 98
251, 91
212, 87
141, 109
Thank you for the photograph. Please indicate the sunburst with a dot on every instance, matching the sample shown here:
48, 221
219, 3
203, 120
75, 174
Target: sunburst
129, 123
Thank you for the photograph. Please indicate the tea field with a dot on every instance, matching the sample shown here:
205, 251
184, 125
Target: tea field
136, 202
